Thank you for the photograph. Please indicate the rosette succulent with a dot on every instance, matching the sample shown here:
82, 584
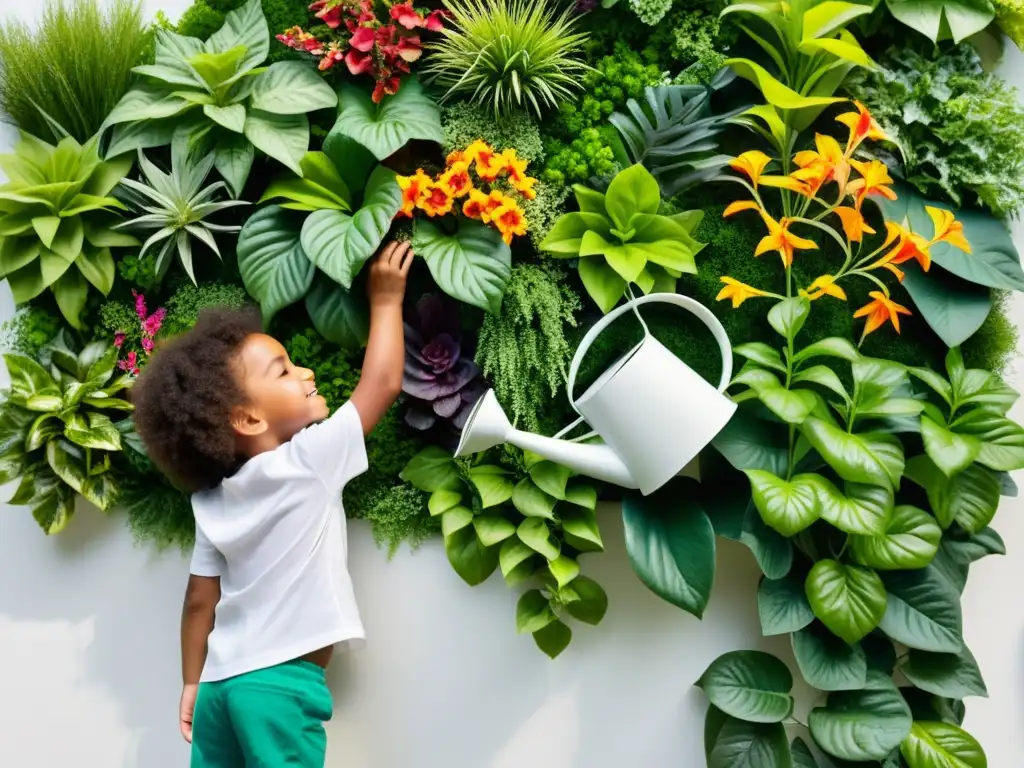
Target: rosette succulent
441, 383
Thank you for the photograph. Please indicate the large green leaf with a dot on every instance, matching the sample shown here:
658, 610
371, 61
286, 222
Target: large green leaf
54, 510
864, 509
386, 127
593, 602
748, 442
632, 191
963, 17
147, 102
787, 506
535, 534
321, 186
580, 529
782, 605
245, 26
875, 458
740, 744
492, 483
849, 600
953, 675
28, 379
773, 551
533, 612
340, 244
602, 283
233, 158
337, 314
970, 497
830, 347
273, 266
951, 452
862, 725
942, 745
751, 685
553, 639
531, 501
788, 317
283, 137
776, 93
828, 663
474, 265
802, 755
923, 610
96, 431
1001, 439
954, 308
67, 462
291, 88
671, 545
470, 558
911, 540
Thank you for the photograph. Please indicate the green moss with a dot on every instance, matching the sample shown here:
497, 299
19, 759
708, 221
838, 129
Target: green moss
544, 210
465, 123
185, 304
397, 514
29, 331
994, 345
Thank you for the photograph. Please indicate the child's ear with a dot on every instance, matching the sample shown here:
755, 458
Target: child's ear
247, 422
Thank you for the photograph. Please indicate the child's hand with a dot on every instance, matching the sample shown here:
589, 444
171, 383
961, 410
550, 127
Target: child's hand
186, 709
388, 272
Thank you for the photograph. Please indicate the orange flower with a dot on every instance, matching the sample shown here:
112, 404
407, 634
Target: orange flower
879, 311
947, 228
509, 220
456, 179
780, 239
455, 157
753, 163
853, 223
738, 292
873, 181
481, 153
825, 286
494, 201
817, 168
474, 206
525, 187
908, 246
413, 188
740, 205
436, 200
862, 126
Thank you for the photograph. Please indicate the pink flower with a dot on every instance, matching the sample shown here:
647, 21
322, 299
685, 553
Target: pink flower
147, 344
330, 16
151, 325
434, 20
385, 36
119, 338
358, 62
406, 15
130, 364
140, 305
362, 40
409, 48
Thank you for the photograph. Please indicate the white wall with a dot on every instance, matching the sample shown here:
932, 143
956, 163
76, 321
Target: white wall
89, 651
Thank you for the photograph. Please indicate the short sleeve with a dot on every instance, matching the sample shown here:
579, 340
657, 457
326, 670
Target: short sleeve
334, 449
206, 558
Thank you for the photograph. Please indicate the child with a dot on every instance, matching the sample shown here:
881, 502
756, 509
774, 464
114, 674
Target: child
228, 417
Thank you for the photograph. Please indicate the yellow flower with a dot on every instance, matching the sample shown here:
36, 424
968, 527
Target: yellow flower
738, 292
481, 153
853, 223
740, 205
413, 187
509, 220
456, 179
947, 228
878, 311
474, 206
817, 168
780, 239
862, 126
873, 181
436, 200
524, 186
455, 157
825, 286
752, 164
908, 246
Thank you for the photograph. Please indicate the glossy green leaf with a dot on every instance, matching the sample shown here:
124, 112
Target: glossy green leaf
751, 443
762, 354
962, 18
28, 378
788, 507
875, 457
953, 675
386, 127
245, 26
582, 495
951, 453
830, 347
473, 265
515, 558
911, 540
862, 725
531, 501
782, 605
534, 532
828, 17
923, 611
456, 519
564, 569
671, 545
802, 755
283, 137
823, 376
773, 552
551, 478
470, 558
602, 282
533, 612
442, 500
492, 529
273, 266
593, 602
863, 509
751, 685
580, 528
1000, 439
67, 462
553, 639
942, 745
849, 600
775, 93
339, 315
828, 663
954, 308
54, 510
492, 483
740, 744
432, 469
633, 190
788, 317
291, 87
970, 497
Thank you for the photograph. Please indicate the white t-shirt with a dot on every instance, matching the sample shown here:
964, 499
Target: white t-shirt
275, 534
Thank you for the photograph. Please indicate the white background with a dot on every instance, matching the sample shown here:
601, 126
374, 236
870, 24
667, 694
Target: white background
89, 649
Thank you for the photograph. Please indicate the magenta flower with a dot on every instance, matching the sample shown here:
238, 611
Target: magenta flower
119, 339
140, 305
151, 325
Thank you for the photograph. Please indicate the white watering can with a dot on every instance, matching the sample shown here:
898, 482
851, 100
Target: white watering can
654, 413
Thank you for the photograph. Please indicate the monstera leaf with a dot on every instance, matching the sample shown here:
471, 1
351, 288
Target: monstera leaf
473, 265
386, 127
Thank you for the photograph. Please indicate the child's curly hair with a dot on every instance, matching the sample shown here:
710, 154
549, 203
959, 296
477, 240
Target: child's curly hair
184, 396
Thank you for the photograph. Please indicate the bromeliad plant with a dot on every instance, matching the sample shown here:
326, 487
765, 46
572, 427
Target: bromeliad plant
56, 221
530, 518
56, 432
621, 238
356, 36
214, 98
176, 205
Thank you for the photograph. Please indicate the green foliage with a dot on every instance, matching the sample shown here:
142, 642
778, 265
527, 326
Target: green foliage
29, 331
397, 515
465, 123
524, 350
508, 55
543, 211
1010, 17
58, 223
698, 37
959, 129
956, 19
650, 11
148, 53
580, 159
157, 512
204, 17
76, 65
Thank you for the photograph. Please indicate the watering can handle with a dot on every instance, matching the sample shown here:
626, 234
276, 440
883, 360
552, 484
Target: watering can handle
695, 307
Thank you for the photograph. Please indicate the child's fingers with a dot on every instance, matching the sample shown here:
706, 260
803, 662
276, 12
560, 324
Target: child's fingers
407, 260
387, 251
398, 253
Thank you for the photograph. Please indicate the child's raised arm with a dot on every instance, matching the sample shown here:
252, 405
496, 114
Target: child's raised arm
381, 380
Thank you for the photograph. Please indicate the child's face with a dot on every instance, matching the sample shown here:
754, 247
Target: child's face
282, 398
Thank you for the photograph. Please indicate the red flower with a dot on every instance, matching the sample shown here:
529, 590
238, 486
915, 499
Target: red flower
330, 16
409, 48
386, 87
119, 338
317, 5
433, 21
358, 63
406, 15
362, 40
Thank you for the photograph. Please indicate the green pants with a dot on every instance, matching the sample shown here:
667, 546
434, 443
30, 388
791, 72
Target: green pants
270, 718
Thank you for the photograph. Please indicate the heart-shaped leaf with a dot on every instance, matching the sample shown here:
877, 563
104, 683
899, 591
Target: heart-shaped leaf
923, 611
787, 506
849, 600
748, 442
782, 605
911, 540
433, 469
534, 532
492, 483
954, 308
386, 127
970, 497
942, 745
473, 265
580, 529
751, 685
593, 602
874, 458
272, 264
470, 558
338, 315
740, 744
553, 639
863, 509
862, 725
671, 545
283, 137
828, 663
531, 501
951, 452
492, 529
952, 675
533, 612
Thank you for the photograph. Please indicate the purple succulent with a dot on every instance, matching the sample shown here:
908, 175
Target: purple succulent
440, 382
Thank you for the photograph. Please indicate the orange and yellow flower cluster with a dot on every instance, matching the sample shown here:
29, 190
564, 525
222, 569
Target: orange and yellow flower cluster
855, 181
478, 176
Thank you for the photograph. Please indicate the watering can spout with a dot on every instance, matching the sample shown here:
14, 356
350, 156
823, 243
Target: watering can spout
488, 426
